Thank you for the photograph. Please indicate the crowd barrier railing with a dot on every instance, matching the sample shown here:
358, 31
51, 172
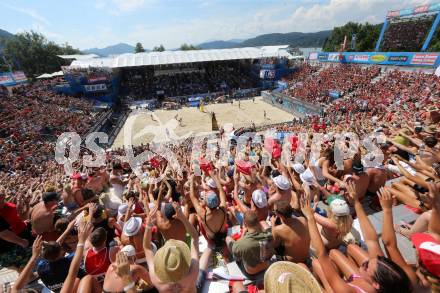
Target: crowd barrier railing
292, 105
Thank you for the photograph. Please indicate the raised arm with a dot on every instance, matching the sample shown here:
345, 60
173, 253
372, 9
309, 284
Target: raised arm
189, 229
370, 235
335, 281
66, 232
149, 223
326, 173
239, 202
402, 147
222, 195
192, 196
434, 195
23, 278
389, 235
325, 222
84, 232
404, 172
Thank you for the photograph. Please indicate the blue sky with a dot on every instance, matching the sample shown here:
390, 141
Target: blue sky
98, 23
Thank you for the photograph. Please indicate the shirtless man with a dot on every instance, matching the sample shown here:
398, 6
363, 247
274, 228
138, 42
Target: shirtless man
114, 283
97, 180
291, 239
280, 190
117, 180
360, 179
169, 227
72, 195
132, 234
212, 213
378, 178
42, 216
186, 275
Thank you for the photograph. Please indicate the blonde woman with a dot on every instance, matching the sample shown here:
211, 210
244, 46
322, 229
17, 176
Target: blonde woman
335, 227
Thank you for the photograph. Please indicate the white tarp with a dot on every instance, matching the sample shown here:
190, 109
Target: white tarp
437, 72
178, 57
47, 75
78, 56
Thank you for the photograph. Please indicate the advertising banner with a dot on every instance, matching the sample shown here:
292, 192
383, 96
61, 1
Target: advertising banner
313, 56
361, 58
414, 11
267, 74
384, 58
333, 56
6, 79
323, 56
398, 58
19, 76
424, 58
95, 87
378, 58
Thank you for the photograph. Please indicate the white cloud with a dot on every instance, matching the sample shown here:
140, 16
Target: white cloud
99, 4
29, 12
307, 17
116, 7
128, 5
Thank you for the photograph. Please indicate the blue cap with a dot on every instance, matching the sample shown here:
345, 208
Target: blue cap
212, 200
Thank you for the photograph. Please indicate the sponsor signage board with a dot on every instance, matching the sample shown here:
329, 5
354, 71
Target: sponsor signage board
323, 56
361, 58
424, 58
398, 58
378, 58
313, 56
333, 57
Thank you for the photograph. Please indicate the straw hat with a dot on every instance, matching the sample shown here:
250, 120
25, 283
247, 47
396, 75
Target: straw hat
172, 261
284, 276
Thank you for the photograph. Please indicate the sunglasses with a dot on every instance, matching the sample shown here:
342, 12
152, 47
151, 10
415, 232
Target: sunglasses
364, 265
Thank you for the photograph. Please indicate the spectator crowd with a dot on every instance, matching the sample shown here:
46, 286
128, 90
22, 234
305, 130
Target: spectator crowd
149, 83
313, 84
257, 222
406, 35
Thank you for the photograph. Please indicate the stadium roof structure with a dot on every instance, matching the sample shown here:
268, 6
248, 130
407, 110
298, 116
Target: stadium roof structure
180, 57
78, 56
50, 75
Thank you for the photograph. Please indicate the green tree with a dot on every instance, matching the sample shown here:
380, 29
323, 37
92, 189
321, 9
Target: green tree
434, 46
187, 47
366, 37
139, 48
34, 54
161, 48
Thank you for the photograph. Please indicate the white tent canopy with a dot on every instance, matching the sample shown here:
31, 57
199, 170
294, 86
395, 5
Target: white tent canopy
78, 56
179, 57
437, 72
47, 75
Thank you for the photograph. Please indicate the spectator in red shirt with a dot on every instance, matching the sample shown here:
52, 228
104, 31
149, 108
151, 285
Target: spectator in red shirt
15, 235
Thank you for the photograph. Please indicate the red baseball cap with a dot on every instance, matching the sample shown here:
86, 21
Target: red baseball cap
244, 167
205, 165
75, 175
428, 250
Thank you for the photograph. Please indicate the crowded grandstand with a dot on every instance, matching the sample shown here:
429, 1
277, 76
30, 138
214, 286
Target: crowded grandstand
340, 195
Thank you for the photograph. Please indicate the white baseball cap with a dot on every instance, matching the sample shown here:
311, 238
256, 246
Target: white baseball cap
129, 250
281, 182
132, 226
259, 198
307, 177
299, 168
211, 183
122, 209
339, 207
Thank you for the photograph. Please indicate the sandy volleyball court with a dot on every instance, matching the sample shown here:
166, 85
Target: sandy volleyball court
160, 125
